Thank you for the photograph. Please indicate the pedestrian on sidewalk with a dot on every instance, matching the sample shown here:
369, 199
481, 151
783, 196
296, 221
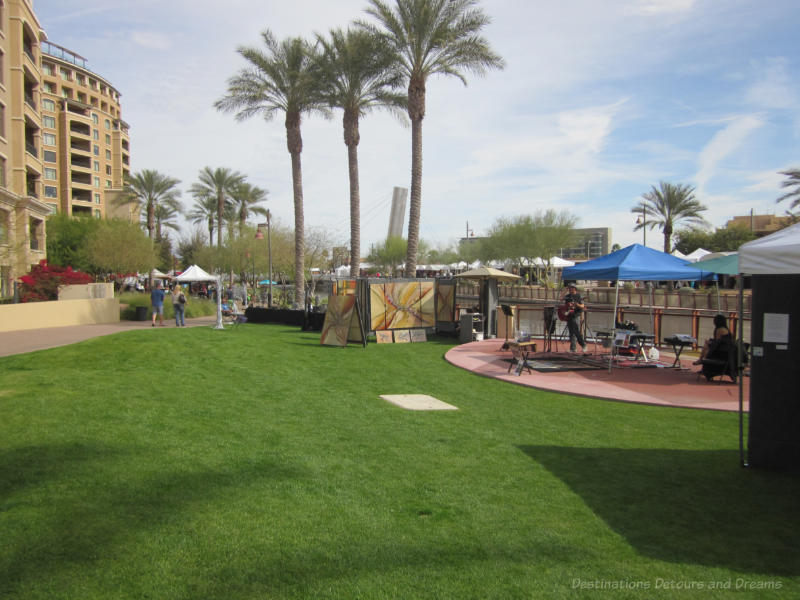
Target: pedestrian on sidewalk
157, 300
179, 304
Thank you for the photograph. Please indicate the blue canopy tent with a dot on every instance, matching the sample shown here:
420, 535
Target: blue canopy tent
635, 263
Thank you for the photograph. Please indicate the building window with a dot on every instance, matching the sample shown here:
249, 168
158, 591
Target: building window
97, 165
97, 182
53, 208
50, 191
66, 74
97, 198
49, 139
96, 150
108, 139
92, 84
80, 79
66, 93
49, 156
97, 213
108, 169
108, 154
49, 122
50, 173
95, 119
49, 87
48, 104
95, 134
2, 172
108, 183
108, 124
2, 120
4, 226
47, 69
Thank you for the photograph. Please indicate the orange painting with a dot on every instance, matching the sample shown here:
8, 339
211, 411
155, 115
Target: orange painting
401, 305
338, 318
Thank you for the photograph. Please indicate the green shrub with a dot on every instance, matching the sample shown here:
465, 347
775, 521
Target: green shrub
195, 307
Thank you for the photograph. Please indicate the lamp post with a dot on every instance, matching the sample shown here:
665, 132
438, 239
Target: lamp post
643, 221
260, 236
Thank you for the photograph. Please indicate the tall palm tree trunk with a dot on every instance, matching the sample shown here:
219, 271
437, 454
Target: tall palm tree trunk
220, 213
294, 143
151, 218
416, 112
351, 138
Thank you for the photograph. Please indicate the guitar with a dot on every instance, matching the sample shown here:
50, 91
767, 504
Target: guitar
565, 311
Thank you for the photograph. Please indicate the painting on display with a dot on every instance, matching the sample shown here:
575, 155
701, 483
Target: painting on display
342, 322
446, 301
418, 335
344, 287
402, 336
401, 305
384, 337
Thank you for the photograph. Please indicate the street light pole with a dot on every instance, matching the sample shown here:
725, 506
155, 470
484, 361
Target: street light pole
260, 236
643, 221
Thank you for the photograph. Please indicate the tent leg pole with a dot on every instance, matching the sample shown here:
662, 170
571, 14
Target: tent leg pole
613, 326
740, 369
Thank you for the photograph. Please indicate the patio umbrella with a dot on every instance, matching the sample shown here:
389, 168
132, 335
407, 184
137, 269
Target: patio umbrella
488, 296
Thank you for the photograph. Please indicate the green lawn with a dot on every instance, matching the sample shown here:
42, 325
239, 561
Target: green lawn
255, 463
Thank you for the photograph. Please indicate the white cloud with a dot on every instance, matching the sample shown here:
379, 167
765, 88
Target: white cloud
151, 40
772, 87
723, 144
661, 7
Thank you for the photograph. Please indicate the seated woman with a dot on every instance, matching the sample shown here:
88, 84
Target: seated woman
720, 331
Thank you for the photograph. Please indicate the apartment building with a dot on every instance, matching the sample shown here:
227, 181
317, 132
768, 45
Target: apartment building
63, 144
22, 210
85, 142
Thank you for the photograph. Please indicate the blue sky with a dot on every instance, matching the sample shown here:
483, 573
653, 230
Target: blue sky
598, 102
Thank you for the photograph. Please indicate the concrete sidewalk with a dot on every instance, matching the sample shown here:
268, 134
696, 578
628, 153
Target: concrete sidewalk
30, 340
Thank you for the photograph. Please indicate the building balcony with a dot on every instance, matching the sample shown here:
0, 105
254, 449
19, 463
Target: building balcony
31, 149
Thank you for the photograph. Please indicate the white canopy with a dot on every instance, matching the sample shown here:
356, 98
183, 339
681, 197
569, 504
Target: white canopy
555, 262
776, 254
697, 254
679, 254
195, 273
343, 271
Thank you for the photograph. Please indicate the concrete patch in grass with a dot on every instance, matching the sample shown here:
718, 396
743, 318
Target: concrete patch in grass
417, 402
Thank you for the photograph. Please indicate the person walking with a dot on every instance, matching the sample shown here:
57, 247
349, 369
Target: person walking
157, 300
179, 304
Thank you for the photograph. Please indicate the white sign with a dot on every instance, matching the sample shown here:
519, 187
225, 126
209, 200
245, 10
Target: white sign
776, 328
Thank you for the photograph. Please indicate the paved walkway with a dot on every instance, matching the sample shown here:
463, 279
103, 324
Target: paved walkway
30, 340
658, 386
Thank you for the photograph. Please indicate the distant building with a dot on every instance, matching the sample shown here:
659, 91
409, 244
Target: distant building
761, 225
63, 144
591, 242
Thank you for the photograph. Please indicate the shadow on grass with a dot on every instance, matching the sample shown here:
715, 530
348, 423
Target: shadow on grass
686, 506
67, 505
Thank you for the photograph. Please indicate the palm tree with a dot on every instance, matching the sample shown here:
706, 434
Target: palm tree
149, 189
283, 78
246, 198
204, 210
219, 183
667, 206
165, 215
430, 37
792, 181
357, 77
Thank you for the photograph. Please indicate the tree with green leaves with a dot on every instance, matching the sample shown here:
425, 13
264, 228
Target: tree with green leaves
246, 198
204, 210
666, 206
722, 239
165, 216
357, 76
219, 184
120, 247
793, 182
68, 241
388, 255
148, 189
430, 37
283, 78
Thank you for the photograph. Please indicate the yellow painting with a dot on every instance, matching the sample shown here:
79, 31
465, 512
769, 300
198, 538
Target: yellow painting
446, 301
338, 318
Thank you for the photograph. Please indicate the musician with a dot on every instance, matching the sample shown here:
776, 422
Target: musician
572, 308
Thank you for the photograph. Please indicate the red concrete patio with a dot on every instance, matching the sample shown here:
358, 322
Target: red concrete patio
663, 386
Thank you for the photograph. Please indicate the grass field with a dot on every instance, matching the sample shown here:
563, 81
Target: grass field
255, 463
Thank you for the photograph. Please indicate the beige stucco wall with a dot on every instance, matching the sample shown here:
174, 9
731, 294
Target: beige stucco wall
58, 313
87, 291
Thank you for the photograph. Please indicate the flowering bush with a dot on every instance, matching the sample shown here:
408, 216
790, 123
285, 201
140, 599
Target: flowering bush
43, 280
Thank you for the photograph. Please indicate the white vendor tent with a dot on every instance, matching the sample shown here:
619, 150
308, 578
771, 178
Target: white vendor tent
194, 273
775, 254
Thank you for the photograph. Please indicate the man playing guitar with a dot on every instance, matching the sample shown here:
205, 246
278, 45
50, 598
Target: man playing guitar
570, 311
